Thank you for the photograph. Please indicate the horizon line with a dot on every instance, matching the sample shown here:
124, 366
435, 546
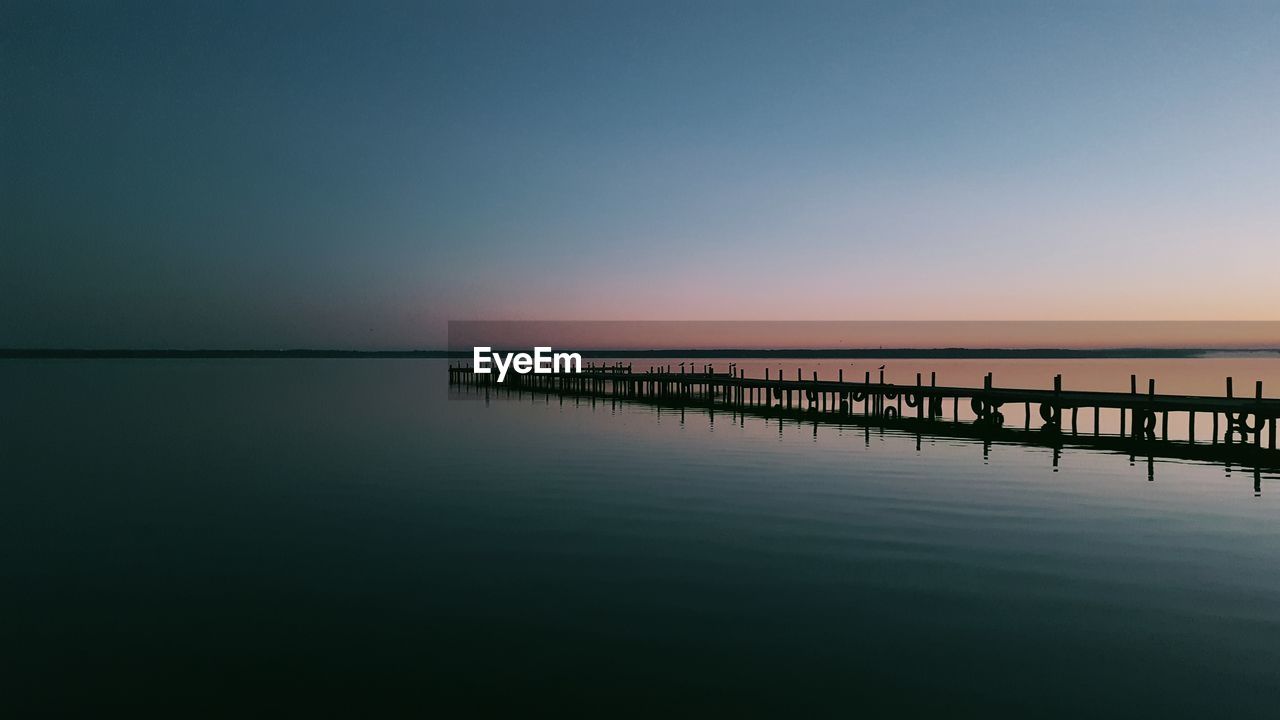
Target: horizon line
949, 352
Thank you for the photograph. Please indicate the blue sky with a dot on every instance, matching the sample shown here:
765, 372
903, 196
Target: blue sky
346, 175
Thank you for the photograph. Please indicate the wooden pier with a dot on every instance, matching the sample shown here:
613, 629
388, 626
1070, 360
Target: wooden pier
1232, 428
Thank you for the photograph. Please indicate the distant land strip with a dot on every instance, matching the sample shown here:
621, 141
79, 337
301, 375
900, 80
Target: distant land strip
870, 353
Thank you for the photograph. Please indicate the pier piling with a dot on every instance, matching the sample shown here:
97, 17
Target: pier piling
1251, 422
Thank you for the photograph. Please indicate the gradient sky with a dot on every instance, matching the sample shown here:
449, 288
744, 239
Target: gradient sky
276, 174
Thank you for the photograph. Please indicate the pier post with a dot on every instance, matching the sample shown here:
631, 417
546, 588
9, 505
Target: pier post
1226, 438
1131, 412
1257, 395
919, 398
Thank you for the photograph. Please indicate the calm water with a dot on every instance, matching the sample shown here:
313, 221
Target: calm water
257, 537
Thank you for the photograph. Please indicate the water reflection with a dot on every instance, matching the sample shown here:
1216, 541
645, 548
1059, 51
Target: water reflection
341, 523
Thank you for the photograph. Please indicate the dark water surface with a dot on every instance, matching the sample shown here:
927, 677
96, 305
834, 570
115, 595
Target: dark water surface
264, 537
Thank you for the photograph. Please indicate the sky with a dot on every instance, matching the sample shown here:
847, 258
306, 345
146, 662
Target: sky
355, 175
465, 335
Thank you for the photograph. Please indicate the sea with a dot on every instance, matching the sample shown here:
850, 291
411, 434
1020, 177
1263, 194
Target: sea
354, 538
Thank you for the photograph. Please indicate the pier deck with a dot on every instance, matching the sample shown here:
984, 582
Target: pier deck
1236, 427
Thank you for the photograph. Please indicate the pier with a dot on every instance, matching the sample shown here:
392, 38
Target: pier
1225, 428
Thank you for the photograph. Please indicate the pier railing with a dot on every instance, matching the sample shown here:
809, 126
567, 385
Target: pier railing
1232, 425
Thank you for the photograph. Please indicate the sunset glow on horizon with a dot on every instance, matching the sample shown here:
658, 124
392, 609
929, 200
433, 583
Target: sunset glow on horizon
861, 335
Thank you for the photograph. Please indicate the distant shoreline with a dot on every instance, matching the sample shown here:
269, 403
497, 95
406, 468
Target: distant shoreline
872, 353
